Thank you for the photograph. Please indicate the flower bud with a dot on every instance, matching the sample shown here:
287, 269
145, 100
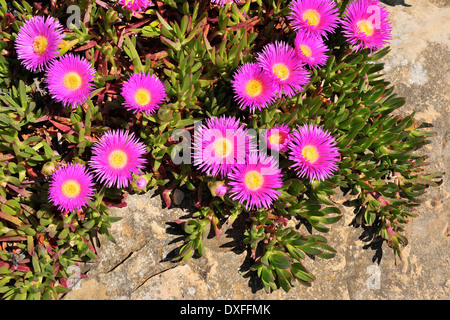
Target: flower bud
141, 183
218, 188
48, 168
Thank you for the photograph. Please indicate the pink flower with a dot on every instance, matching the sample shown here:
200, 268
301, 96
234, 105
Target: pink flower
222, 2
135, 5
253, 88
220, 145
280, 61
366, 25
314, 152
316, 17
71, 186
143, 93
70, 80
116, 157
255, 183
310, 49
277, 138
37, 42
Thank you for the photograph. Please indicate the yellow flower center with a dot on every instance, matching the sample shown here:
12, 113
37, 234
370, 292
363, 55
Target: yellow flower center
312, 17
222, 147
366, 27
310, 153
72, 81
253, 180
276, 139
128, 1
142, 97
39, 45
306, 50
117, 159
281, 71
254, 87
71, 188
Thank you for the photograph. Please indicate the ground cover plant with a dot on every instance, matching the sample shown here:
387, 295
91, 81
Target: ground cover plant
265, 109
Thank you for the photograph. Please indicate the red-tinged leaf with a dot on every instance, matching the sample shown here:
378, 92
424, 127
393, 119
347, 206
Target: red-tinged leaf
56, 267
87, 46
12, 219
137, 24
61, 127
60, 252
7, 157
166, 197
9, 19
102, 4
248, 24
115, 204
30, 170
20, 191
14, 238
43, 118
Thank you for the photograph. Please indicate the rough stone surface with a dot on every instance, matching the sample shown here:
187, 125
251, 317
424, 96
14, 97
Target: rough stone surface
137, 265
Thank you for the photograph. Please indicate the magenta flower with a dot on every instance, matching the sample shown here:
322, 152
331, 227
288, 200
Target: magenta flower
143, 93
222, 2
116, 157
280, 61
314, 152
278, 137
256, 182
310, 49
71, 186
366, 25
253, 88
220, 145
70, 80
135, 5
37, 42
317, 17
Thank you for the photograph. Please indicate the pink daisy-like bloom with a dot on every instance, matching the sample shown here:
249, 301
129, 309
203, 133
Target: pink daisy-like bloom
220, 145
116, 157
280, 61
310, 49
135, 5
366, 25
256, 181
71, 186
253, 87
278, 137
222, 2
314, 152
143, 93
37, 42
317, 17
70, 80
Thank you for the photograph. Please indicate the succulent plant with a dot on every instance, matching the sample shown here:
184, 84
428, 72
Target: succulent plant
195, 47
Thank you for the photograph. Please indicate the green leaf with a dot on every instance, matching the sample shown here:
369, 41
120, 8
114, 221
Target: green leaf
280, 260
300, 272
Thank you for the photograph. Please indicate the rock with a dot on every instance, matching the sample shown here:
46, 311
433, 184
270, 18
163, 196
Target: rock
178, 196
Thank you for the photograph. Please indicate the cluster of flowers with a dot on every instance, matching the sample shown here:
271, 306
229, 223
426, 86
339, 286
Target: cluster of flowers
280, 68
223, 147
70, 78
117, 155
365, 23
